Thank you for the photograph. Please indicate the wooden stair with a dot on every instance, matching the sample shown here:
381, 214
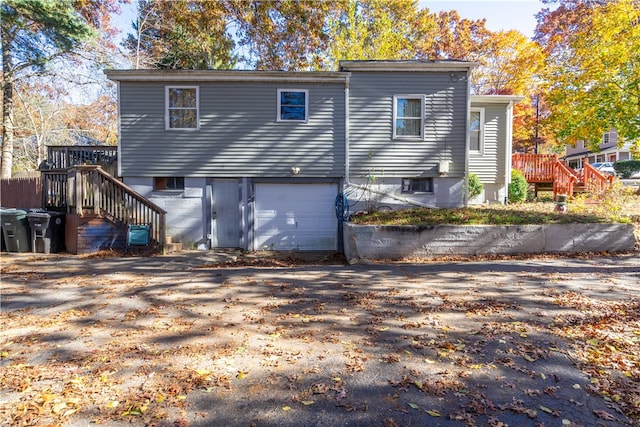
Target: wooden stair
100, 208
546, 172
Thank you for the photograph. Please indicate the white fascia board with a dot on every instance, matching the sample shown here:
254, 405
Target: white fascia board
218, 75
496, 99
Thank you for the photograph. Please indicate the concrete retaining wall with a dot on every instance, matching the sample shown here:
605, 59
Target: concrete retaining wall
368, 242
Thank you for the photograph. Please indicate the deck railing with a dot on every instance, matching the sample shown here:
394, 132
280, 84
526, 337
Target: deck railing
89, 188
537, 168
66, 156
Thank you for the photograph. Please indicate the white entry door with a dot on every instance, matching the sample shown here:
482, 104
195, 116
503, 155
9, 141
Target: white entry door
295, 217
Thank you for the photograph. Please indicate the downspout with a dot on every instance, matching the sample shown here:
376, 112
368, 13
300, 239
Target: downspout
467, 139
119, 148
346, 134
509, 149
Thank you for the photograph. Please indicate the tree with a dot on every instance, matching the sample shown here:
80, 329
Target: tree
557, 25
35, 33
377, 29
284, 34
456, 38
594, 84
511, 64
182, 35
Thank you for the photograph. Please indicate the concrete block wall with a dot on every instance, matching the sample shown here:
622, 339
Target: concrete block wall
364, 242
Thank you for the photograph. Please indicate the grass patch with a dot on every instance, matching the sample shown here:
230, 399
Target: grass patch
529, 213
618, 204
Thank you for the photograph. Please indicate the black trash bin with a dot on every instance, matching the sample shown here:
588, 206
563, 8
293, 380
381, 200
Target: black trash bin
47, 231
15, 230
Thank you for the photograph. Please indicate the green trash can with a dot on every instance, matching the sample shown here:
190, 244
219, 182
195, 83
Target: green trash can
47, 231
15, 229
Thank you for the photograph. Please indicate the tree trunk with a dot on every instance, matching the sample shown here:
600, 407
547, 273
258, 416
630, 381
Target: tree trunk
7, 111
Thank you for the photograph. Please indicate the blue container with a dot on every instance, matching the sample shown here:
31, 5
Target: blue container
138, 235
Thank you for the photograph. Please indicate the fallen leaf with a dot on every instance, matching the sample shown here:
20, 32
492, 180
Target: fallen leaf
308, 402
432, 412
286, 408
413, 405
549, 411
604, 415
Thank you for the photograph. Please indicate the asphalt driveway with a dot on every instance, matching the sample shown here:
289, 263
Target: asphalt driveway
207, 339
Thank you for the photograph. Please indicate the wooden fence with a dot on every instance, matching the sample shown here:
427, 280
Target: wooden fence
22, 193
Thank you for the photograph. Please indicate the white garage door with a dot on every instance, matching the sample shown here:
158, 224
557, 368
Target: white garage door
295, 217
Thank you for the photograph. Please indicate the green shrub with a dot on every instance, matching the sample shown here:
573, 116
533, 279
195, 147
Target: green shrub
517, 187
626, 168
475, 186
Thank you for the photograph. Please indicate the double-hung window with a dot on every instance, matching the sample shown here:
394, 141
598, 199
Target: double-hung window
476, 130
408, 116
182, 110
293, 105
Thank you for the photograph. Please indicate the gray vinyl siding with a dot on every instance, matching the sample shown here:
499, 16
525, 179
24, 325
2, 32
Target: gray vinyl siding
490, 164
238, 136
372, 148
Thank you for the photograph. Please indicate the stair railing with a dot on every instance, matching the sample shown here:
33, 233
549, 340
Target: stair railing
89, 188
594, 180
565, 179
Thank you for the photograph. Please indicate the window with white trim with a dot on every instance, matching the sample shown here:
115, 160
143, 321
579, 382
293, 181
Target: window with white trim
293, 105
476, 130
606, 138
182, 110
408, 116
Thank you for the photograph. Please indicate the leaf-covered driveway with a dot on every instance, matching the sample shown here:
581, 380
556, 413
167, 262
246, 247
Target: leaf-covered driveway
183, 340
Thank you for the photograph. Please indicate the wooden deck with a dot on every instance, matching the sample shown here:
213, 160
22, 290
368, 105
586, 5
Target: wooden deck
546, 171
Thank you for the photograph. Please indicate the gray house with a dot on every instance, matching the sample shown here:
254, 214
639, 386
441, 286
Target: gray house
490, 144
271, 160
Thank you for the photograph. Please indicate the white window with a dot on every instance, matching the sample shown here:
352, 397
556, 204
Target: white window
408, 116
293, 105
605, 138
476, 130
182, 107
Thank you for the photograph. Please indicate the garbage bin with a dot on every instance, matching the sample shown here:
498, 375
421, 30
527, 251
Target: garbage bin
3, 247
47, 231
15, 230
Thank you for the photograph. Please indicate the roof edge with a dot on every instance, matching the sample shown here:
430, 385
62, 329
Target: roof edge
496, 99
224, 75
407, 65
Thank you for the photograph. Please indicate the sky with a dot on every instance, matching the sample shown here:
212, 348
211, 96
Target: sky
500, 14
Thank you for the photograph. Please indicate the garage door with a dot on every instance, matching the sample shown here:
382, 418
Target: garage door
295, 217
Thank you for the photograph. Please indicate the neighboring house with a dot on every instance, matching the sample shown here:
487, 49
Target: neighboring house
267, 160
609, 151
